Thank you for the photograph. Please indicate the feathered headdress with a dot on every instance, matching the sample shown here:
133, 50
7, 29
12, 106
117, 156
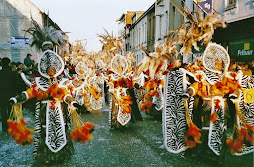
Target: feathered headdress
111, 44
45, 34
197, 29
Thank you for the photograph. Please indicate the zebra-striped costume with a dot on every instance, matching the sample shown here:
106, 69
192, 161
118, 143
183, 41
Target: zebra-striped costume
52, 127
247, 110
216, 130
174, 119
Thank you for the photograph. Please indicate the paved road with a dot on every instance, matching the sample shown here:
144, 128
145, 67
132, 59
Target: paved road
134, 146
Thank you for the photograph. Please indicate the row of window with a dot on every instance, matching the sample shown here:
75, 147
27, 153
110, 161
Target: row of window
139, 35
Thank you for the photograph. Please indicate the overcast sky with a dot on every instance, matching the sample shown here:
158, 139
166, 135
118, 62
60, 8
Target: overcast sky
86, 18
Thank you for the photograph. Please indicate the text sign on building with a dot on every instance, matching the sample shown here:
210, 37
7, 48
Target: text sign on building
206, 5
246, 51
19, 42
242, 50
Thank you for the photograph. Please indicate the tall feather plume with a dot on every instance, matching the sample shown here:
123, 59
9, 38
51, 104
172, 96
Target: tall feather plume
43, 34
197, 29
111, 45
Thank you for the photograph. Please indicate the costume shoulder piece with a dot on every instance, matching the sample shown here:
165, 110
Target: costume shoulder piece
44, 83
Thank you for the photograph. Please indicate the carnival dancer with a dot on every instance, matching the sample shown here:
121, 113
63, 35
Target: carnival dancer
242, 139
118, 73
120, 109
55, 107
52, 119
78, 87
215, 87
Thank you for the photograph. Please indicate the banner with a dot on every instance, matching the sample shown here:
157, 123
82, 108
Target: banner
206, 5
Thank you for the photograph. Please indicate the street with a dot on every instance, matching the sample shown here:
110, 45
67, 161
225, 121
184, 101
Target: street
135, 145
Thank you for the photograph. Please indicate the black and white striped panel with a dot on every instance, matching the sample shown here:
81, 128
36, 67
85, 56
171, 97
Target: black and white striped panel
55, 130
158, 101
113, 112
43, 83
174, 120
37, 131
212, 77
245, 82
216, 130
191, 106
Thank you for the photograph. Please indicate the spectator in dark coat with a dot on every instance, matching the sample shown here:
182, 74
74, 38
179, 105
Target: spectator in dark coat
21, 86
8, 89
28, 61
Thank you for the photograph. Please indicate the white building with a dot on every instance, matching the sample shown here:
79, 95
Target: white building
153, 26
235, 10
138, 36
141, 33
123, 22
162, 8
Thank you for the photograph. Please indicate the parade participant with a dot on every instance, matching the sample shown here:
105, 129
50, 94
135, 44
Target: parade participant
55, 111
52, 119
216, 86
120, 104
118, 73
174, 113
210, 88
241, 140
79, 88
8, 88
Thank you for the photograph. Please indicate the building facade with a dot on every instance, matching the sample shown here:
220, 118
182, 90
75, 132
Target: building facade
138, 36
238, 36
151, 28
123, 23
155, 24
15, 18
162, 9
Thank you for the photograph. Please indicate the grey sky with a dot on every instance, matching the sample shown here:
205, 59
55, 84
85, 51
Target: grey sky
85, 18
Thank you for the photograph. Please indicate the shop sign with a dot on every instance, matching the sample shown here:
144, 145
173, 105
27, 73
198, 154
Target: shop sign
19, 42
246, 51
242, 50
